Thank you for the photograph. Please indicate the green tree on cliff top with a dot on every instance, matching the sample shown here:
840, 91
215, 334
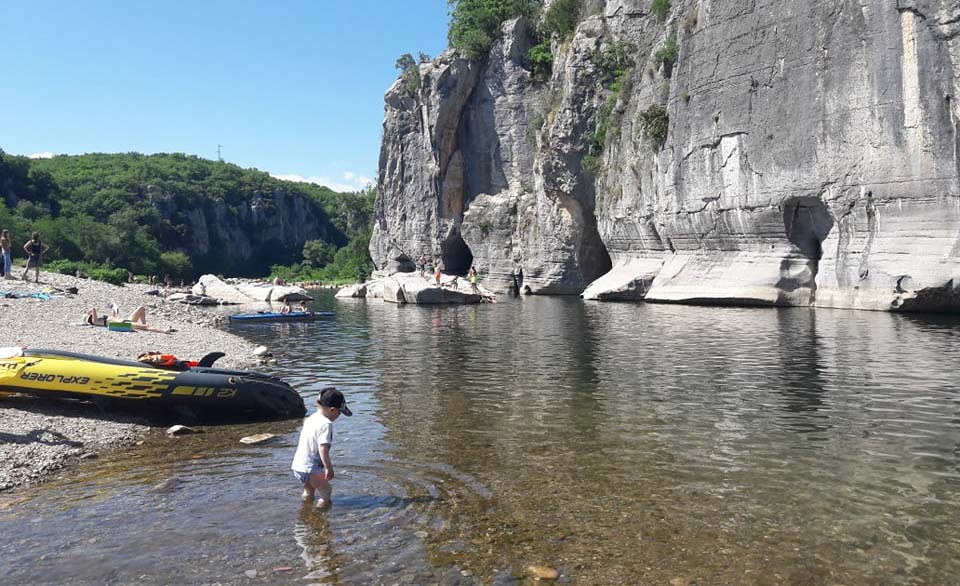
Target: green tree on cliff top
474, 23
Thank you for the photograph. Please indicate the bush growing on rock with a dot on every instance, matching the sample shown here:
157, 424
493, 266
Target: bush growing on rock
561, 18
660, 9
540, 60
655, 123
410, 73
667, 55
474, 23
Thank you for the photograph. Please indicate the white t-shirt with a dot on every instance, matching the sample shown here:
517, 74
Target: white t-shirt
317, 430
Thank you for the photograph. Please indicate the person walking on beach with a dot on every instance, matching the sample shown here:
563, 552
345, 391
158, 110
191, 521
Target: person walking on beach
312, 465
6, 246
35, 251
436, 274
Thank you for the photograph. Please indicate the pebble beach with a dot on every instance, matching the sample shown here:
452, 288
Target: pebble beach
40, 437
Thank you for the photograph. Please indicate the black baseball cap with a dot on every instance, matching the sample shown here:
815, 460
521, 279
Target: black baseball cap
331, 397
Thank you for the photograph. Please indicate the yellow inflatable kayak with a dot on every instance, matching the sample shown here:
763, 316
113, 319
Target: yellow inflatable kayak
200, 391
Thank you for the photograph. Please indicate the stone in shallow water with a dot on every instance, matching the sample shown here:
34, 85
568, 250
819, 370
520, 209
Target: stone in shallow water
168, 485
543, 572
182, 430
258, 438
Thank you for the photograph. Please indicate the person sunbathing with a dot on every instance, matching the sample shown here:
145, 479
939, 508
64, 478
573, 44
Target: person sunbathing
137, 319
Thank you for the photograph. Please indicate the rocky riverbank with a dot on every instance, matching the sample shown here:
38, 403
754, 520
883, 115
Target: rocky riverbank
39, 437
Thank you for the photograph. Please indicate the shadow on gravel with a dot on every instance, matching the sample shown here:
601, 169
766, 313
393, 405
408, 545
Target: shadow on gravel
68, 408
39, 436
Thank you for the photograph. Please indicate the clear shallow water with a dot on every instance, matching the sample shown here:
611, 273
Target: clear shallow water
616, 443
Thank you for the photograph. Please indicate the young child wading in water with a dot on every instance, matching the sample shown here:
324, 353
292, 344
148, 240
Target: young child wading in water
312, 464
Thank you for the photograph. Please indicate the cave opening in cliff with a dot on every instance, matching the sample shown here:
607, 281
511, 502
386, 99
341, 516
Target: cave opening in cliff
456, 255
807, 221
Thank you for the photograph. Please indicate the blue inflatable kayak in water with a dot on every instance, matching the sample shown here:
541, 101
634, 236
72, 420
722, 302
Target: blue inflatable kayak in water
277, 316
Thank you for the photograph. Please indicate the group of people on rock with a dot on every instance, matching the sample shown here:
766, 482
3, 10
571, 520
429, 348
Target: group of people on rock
34, 248
472, 274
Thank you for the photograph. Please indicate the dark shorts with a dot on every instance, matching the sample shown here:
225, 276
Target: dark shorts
33, 261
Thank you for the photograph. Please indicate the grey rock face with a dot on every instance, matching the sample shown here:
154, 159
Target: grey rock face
420, 190
412, 288
240, 231
444, 192
809, 156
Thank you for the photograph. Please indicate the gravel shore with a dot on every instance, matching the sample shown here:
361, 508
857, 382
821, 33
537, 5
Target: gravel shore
38, 437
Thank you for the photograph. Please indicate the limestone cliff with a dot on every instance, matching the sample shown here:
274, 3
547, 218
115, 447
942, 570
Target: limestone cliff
786, 153
242, 236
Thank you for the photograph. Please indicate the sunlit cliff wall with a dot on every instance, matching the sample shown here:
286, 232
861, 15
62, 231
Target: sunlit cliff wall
810, 157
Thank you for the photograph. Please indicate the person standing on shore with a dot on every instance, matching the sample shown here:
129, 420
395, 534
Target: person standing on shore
312, 465
421, 265
472, 275
6, 246
35, 251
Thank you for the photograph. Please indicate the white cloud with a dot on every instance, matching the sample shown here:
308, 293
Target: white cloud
42, 156
349, 182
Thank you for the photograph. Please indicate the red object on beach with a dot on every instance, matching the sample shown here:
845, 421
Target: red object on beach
171, 362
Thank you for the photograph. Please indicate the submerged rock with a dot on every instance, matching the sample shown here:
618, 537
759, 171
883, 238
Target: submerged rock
543, 572
257, 438
182, 430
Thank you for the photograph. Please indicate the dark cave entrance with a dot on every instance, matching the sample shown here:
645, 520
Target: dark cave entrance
456, 255
807, 222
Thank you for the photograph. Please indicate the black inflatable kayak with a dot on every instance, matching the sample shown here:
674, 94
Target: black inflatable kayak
202, 392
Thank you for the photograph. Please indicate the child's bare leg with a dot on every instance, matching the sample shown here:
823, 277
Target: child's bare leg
307, 495
321, 485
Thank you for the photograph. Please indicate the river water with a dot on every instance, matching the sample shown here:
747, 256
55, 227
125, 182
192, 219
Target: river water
616, 443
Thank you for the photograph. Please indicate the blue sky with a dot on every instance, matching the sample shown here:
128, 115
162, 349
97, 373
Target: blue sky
294, 88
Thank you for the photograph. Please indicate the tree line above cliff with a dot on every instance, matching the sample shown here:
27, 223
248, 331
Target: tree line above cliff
107, 214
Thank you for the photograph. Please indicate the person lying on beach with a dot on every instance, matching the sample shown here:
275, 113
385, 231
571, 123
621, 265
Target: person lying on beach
138, 319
